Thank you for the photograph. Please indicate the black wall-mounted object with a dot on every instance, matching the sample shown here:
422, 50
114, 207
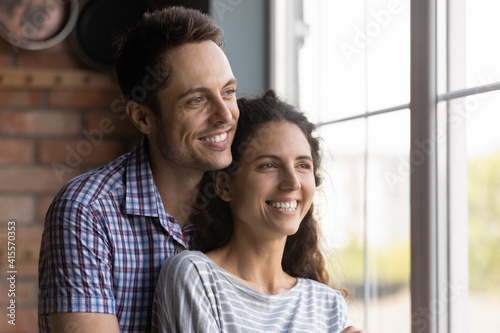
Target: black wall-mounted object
100, 21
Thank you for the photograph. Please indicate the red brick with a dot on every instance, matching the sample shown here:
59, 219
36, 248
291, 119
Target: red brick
37, 60
18, 208
5, 47
57, 49
39, 180
28, 245
27, 248
29, 270
92, 150
26, 320
19, 97
82, 98
43, 204
42, 122
25, 290
5, 60
13, 151
113, 124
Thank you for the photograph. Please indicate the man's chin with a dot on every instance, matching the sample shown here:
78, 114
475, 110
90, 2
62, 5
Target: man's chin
222, 163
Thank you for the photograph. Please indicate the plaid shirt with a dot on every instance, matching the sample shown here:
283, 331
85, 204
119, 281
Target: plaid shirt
106, 236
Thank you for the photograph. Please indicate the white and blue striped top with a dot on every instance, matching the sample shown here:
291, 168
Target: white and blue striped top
194, 294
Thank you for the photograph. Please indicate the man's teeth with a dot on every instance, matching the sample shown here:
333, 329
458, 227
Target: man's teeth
217, 138
288, 206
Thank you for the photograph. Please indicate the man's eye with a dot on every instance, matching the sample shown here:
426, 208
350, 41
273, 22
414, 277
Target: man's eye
195, 101
230, 92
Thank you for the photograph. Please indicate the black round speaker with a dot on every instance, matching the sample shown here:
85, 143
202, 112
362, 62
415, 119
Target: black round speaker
98, 24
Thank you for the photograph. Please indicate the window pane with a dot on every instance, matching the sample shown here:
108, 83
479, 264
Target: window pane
482, 40
483, 151
472, 36
354, 58
365, 217
388, 222
340, 204
388, 53
331, 66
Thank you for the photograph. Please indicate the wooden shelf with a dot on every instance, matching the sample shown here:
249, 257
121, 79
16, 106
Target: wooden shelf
55, 79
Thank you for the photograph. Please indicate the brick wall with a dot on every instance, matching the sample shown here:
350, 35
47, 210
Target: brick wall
49, 133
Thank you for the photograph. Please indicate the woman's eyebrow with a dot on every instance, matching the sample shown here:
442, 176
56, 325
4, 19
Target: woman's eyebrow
271, 156
276, 157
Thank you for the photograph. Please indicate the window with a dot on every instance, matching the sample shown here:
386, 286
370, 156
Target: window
411, 187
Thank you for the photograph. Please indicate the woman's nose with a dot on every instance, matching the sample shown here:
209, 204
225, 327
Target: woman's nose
290, 181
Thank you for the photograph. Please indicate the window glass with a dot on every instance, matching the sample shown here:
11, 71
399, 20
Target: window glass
388, 222
364, 209
332, 60
387, 30
340, 206
354, 58
483, 46
483, 152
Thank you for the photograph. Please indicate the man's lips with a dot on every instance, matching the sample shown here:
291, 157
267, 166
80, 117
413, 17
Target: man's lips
215, 138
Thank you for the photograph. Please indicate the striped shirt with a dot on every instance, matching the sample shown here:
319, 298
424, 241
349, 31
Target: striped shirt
195, 295
106, 236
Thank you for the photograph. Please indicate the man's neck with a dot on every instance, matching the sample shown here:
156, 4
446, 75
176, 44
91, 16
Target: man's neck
178, 189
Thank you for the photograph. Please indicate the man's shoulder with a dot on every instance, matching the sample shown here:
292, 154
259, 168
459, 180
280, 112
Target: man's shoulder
96, 183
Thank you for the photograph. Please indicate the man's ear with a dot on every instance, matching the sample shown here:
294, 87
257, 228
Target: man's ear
222, 187
140, 116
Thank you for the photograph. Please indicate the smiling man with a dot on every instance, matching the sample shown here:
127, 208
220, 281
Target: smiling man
108, 231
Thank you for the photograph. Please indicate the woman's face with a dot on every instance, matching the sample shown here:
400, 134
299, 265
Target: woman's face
274, 185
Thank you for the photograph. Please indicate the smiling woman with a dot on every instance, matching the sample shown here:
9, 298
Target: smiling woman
258, 267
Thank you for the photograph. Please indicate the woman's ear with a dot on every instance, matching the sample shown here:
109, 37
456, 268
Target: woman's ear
222, 187
140, 116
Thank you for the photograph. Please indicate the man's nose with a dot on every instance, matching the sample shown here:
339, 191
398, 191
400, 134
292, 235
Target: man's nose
221, 110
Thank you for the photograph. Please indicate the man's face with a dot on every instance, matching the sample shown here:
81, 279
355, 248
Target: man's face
198, 110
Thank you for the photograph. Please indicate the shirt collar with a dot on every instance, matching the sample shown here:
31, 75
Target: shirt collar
141, 197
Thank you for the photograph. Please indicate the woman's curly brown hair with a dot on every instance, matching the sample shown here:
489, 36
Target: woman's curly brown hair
214, 223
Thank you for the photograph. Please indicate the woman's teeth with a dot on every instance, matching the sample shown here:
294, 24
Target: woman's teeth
288, 206
217, 138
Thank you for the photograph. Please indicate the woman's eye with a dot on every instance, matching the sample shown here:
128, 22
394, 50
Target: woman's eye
267, 166
306, 166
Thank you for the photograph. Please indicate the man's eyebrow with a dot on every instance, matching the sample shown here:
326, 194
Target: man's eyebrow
204, 89
193, 90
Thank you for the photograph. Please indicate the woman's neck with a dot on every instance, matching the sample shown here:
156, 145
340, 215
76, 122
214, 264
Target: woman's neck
256, 264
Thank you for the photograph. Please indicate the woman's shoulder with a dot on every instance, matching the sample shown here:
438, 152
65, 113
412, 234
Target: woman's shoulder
188, 256
184, 263
320, 290
329, 299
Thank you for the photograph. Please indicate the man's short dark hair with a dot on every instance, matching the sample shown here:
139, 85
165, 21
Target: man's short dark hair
140, 64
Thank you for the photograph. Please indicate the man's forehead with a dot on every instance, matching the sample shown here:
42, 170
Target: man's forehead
201, 63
